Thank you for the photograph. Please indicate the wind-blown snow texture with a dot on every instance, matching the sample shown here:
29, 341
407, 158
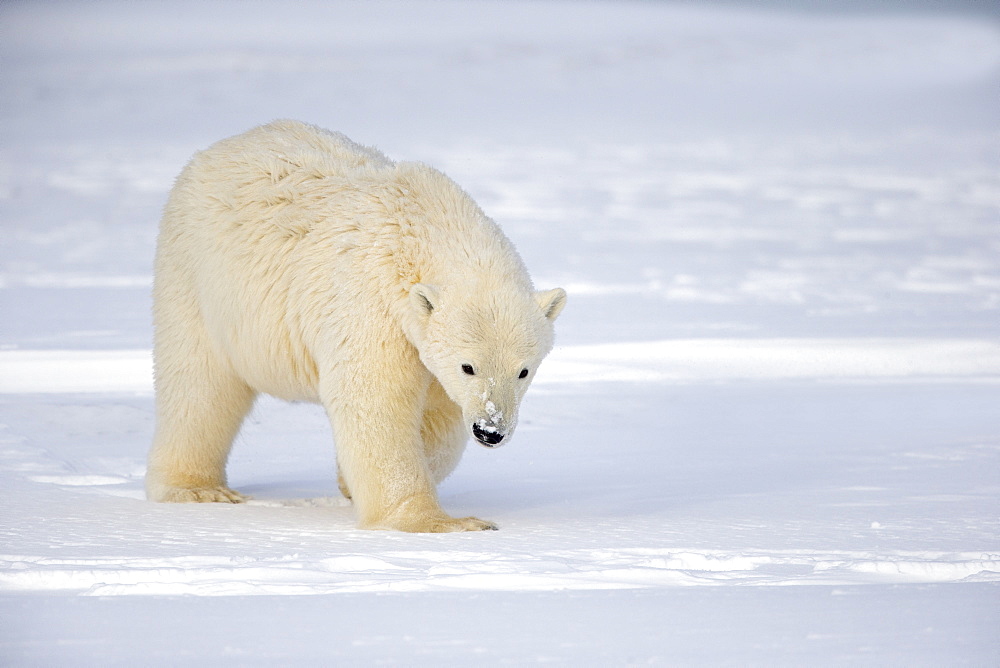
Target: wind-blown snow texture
769, 432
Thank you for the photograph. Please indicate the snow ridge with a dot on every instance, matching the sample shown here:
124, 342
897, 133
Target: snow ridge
412, 571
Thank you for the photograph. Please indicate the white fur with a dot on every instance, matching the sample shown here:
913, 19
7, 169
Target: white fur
295, 262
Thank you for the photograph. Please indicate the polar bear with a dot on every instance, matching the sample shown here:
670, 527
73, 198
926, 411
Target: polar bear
295, 262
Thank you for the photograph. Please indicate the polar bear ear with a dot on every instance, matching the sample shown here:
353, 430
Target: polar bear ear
551, 302
424, 298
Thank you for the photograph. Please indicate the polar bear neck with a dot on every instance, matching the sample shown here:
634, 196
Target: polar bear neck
442, 237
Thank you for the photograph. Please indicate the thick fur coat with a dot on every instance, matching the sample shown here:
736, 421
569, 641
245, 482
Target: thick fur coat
294, 262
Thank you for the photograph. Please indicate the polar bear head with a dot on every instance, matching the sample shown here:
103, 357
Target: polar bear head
484, 347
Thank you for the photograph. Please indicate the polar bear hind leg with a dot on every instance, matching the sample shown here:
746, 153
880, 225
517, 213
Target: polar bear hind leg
200, 405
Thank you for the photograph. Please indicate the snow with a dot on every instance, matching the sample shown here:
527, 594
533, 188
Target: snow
768, 433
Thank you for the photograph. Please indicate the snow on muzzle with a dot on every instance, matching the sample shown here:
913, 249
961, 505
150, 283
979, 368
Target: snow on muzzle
487, 433
491, 430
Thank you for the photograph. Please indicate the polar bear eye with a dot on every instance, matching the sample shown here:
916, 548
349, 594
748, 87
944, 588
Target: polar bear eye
467, 368
523, 374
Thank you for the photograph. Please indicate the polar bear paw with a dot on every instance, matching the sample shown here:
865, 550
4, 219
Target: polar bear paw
218, 494
439, 524
473, 524
460, 524
421, 514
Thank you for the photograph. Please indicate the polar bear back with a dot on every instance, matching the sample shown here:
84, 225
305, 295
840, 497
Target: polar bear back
303, 145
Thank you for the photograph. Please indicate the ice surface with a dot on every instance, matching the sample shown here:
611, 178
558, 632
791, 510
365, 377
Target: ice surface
768, 433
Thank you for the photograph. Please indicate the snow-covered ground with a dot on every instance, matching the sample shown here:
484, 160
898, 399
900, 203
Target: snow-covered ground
769, 433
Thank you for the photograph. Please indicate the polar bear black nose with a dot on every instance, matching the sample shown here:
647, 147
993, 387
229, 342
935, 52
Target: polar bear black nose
489, 438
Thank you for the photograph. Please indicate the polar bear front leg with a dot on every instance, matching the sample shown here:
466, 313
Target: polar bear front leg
443, 433
380, 452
